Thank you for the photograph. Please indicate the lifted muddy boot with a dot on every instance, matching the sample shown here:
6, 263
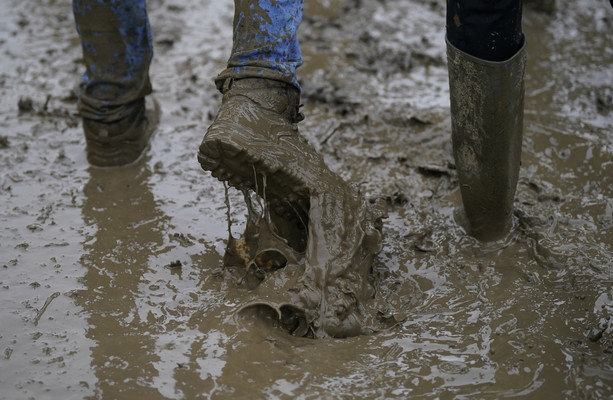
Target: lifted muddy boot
315, 254
487, 106
254, 139
122, 142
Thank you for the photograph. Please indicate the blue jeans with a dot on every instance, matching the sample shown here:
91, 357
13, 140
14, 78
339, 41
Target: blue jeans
117, 50
264, 41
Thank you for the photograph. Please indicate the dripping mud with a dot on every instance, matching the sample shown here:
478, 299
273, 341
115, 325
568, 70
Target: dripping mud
314, 279
117, 285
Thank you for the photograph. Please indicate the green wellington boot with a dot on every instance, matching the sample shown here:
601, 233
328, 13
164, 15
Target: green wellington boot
487, 107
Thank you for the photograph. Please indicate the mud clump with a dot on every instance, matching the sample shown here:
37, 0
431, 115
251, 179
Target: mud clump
312, 279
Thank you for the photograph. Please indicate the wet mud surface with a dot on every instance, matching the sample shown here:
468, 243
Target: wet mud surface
111, 281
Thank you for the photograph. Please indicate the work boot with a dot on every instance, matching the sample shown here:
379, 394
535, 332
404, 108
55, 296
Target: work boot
487, 107
254, 143
121, 142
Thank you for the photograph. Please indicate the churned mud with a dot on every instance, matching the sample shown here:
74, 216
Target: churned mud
321, 289
116, 283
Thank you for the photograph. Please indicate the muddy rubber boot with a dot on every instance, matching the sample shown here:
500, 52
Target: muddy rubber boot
122, 142
254, 142
487, 106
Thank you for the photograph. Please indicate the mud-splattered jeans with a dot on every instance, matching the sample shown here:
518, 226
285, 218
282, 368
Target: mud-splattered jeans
264, 41
117, 50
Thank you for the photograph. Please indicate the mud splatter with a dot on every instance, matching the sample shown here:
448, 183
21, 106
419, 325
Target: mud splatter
320, 290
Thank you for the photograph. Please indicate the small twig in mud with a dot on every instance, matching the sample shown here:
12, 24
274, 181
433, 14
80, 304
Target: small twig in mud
333, 131
46, 105
228, 216
329, 135
433, 170
44, 308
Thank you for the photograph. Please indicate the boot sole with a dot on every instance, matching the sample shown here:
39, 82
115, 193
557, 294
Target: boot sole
242, 170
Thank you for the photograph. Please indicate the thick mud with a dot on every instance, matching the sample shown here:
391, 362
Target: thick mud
321, 289
112, 282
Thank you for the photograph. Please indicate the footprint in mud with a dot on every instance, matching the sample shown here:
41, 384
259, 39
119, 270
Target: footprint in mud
310, 278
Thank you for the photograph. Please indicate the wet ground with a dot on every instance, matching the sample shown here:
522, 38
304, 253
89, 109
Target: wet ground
111, 281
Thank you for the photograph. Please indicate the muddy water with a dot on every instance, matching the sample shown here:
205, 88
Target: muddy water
111, 281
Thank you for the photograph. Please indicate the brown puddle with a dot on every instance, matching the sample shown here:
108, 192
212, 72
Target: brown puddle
112, 282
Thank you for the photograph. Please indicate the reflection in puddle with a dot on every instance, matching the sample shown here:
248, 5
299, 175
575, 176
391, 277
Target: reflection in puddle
127, 229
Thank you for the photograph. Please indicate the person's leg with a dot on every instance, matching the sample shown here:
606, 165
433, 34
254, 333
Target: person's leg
256, 124
486, 62
254, 145
117, 51
489, 30
265, 44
